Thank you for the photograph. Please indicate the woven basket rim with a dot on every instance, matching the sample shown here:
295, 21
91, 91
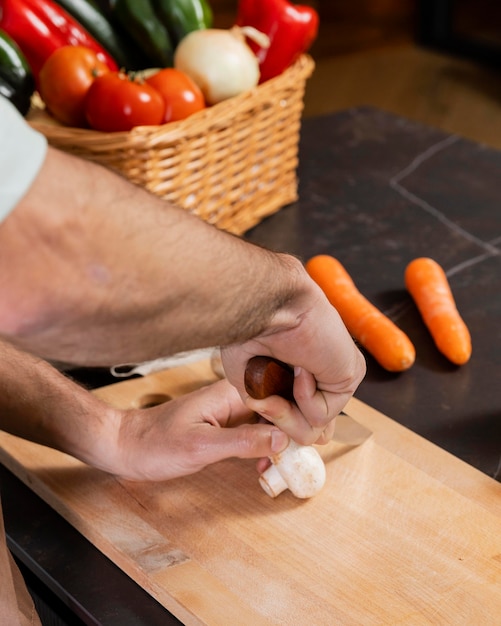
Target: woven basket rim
190, 126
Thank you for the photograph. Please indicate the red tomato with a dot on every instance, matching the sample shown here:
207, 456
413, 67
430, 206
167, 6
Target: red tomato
181, 94
65, 79
117, 102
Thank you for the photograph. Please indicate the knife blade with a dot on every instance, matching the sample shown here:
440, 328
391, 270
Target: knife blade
265, 376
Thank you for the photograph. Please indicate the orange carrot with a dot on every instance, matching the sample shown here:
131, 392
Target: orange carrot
389, 345
428, 285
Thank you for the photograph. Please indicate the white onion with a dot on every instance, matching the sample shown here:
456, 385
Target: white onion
219, 61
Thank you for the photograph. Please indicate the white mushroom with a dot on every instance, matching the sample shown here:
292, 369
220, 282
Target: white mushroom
298, 468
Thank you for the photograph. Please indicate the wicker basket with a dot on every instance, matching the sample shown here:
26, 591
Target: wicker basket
231, 164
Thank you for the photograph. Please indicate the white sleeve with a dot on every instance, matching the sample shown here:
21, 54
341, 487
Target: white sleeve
22, 152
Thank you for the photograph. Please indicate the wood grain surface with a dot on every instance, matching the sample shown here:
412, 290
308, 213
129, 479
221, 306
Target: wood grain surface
403, 533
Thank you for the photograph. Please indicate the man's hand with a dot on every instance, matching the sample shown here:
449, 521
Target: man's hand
328, 367
173, 439
185, 435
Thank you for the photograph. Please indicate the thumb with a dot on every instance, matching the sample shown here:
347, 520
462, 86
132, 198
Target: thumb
248, 441
286, 415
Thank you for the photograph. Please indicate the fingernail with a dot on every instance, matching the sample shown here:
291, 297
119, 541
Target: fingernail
297, 370
279, 440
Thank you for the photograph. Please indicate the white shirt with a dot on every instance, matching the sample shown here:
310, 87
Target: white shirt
22, 152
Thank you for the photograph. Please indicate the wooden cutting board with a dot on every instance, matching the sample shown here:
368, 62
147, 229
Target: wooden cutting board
403, 532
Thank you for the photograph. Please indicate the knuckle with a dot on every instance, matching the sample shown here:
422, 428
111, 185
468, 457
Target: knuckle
196, 447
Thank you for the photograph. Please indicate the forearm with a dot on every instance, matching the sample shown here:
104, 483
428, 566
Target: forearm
42, 405
101, 272
173, 439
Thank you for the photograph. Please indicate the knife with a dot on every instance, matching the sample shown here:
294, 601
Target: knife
265, 376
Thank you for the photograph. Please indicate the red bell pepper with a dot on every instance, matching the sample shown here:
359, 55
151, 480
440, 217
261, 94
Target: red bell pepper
39, 27
291, 29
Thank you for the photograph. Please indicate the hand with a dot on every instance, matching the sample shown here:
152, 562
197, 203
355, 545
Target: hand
185, 435
328, 367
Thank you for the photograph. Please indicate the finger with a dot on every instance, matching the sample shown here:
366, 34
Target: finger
262, 465
327, 434
223, 406
287, 416
310, 400
318, 406
248, 441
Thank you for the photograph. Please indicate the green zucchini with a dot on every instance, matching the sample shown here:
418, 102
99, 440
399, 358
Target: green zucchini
183, 16
111, 36
16, 79
141, 22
